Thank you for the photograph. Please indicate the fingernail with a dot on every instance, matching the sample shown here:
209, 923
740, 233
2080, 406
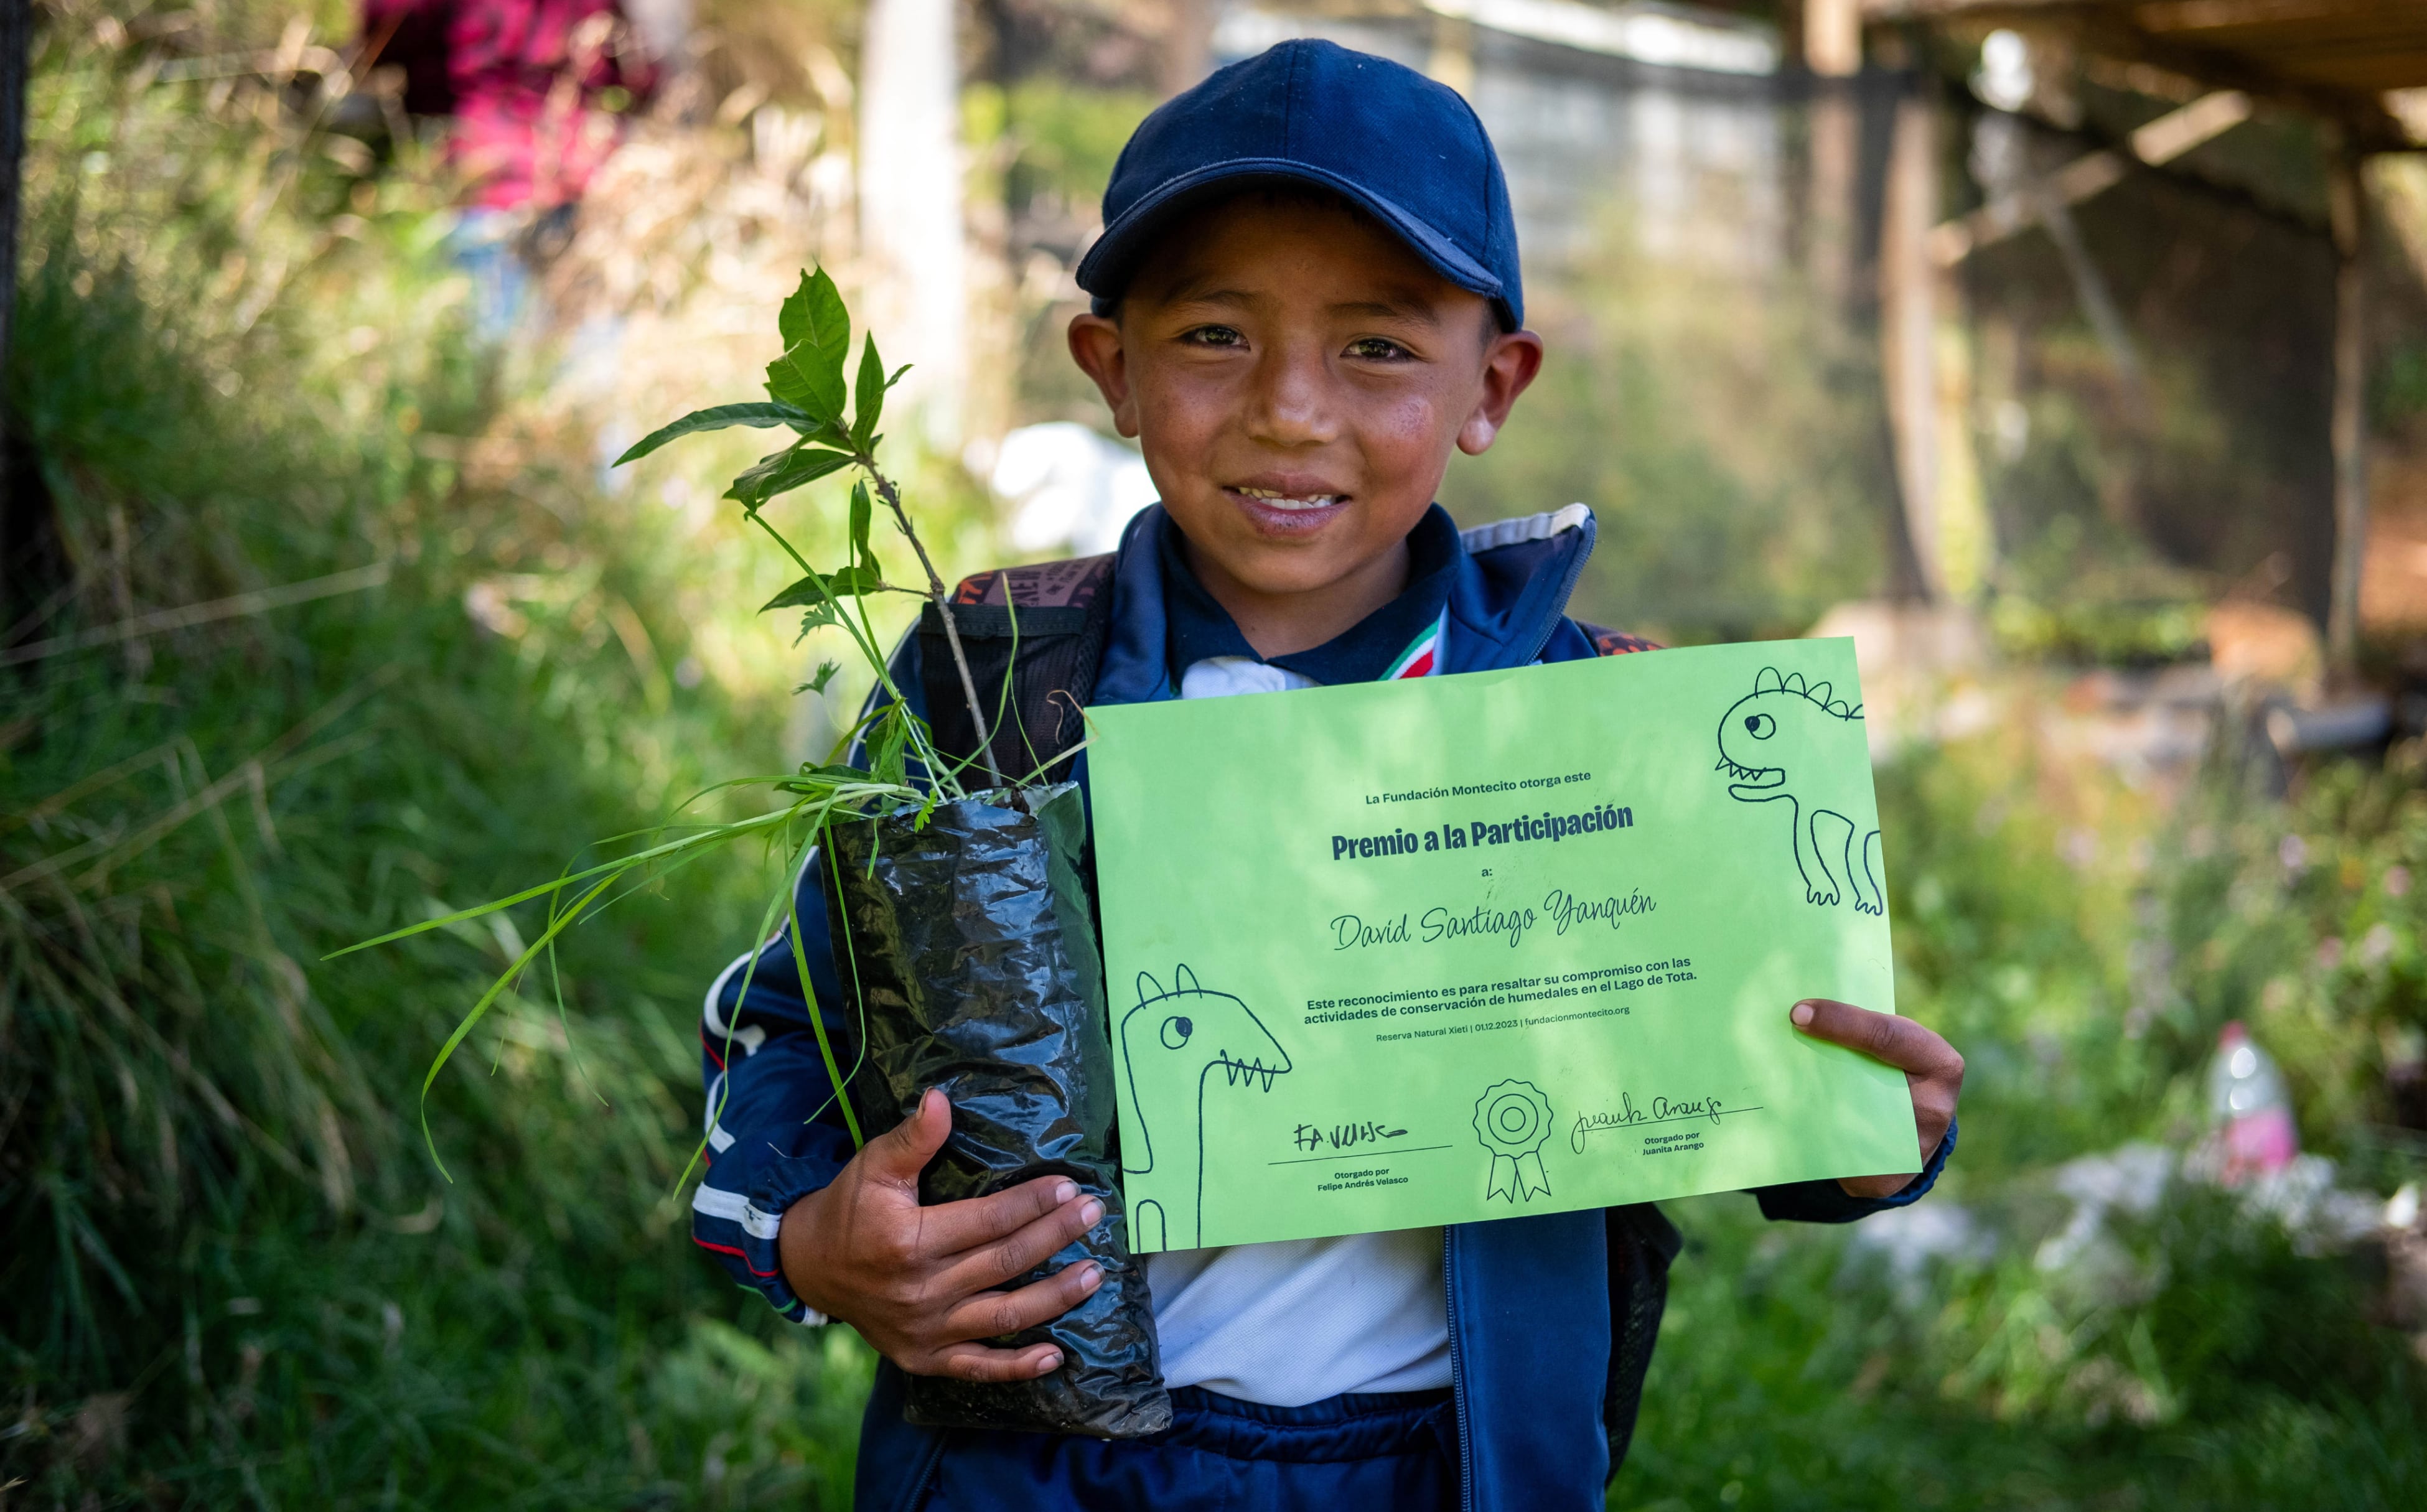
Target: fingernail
1049, 1364
1064, 1191
1091, 1275
1802, 1014
1090, 1211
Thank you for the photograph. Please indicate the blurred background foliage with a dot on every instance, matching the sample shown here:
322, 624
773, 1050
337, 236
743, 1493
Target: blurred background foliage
1721, 432
249, 356
228, 1273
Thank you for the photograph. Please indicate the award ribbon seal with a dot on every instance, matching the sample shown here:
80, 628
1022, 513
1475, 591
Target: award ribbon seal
1512, 1118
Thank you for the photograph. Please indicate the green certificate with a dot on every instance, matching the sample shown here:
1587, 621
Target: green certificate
1428, 951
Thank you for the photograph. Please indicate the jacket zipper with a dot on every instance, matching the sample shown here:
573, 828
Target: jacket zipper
1457, 1372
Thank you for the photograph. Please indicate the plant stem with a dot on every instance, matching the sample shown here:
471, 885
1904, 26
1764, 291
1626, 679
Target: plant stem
928, 755
885, 491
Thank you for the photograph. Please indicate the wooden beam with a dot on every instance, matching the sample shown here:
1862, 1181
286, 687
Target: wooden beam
2107, 26
2348, 199
2160, 141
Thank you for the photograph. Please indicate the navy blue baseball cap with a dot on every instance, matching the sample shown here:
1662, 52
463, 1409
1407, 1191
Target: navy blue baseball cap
1378, 134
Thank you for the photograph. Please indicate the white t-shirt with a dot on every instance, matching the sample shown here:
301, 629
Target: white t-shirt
1292, 1322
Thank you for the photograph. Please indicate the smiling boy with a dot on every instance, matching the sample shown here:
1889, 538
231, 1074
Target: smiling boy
1306, 297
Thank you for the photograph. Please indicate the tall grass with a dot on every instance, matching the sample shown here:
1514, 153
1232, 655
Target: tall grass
227, 1274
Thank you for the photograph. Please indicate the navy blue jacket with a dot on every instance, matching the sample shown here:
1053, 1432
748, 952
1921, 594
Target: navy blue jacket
1551, 1316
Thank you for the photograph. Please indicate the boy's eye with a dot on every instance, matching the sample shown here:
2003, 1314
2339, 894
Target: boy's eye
1377, 349
1213, 336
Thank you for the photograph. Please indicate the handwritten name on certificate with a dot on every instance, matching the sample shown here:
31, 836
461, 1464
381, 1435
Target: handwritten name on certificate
1471, 947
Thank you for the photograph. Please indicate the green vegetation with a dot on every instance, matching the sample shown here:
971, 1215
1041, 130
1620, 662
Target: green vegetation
228, 1273
2199, 1358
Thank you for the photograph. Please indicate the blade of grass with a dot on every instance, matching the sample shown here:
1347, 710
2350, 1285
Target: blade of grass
724, 1087
480, 1009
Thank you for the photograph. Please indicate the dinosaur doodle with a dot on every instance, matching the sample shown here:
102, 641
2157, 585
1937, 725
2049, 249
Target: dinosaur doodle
1794, 742
1170, 1043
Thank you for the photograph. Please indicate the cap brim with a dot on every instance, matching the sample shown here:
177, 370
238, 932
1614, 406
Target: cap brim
1105, 271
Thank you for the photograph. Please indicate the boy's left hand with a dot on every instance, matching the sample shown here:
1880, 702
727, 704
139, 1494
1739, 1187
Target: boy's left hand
1932, 1069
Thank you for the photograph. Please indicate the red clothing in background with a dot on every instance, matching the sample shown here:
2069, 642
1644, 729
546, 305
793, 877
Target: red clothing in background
523, 79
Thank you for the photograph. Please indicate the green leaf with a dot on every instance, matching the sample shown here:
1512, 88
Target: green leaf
781, 472
820, 780
889, 739
867, 394
826, 671
817, 341
814, 313
862, 510
822, 613
722, 417
810, 591
849, 581
859, 578
798, 378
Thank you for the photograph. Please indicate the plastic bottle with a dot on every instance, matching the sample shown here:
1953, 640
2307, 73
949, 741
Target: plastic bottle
2253, 1114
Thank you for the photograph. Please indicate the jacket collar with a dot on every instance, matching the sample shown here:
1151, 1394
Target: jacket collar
1507, 592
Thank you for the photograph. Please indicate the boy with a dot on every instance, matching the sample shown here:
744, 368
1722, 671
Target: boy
1306, 294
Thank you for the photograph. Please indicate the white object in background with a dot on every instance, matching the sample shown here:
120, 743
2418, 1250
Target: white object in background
1665, 36
2253, 1113
2402, 1208
1910, 1237
2130, 1180
911, 237
2005, 80
1069, 486
662, 26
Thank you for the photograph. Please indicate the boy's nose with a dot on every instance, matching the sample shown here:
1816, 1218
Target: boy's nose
1292, 402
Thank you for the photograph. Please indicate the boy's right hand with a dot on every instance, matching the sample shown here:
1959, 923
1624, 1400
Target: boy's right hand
918, 1282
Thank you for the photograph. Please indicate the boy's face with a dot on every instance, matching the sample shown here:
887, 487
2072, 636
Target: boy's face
1296, 377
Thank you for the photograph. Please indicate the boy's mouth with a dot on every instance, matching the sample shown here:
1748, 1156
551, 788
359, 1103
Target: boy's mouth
1273, 499
1275, 511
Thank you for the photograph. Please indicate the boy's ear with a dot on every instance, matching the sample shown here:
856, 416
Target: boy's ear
1096, 347
1509, 365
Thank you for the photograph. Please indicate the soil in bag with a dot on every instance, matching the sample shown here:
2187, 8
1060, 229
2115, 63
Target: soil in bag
974, 954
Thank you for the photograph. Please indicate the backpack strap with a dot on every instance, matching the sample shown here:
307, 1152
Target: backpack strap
1609, 643
1058, 614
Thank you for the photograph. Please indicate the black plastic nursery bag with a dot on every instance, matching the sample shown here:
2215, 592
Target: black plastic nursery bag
977, 968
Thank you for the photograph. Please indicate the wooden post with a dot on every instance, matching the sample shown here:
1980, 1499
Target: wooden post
1452, 60
1187, 44
1908, 332
1832, 38
2348, 199
1835, 133
913, 241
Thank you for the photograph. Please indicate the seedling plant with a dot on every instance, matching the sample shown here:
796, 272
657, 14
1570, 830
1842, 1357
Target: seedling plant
834, 425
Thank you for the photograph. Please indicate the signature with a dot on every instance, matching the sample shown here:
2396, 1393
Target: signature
1662, 1110
1343, 1136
